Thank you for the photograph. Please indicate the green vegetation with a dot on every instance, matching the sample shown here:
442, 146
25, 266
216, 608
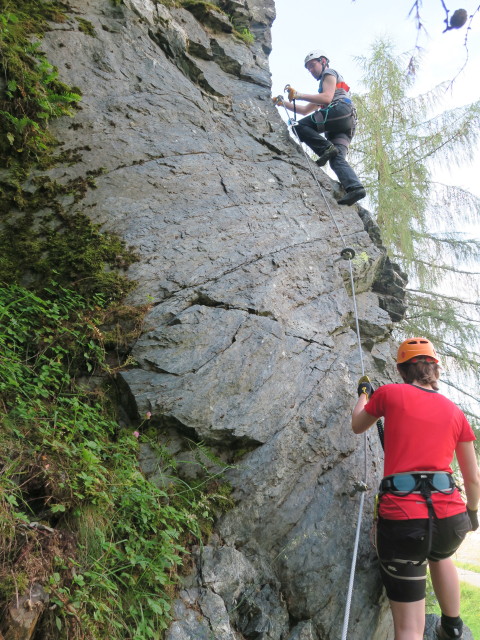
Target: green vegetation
86, 27
111, 559
470, 597
39, 238
244, 34
33, 93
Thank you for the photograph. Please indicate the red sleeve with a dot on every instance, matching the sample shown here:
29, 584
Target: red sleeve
376, 405
466, 431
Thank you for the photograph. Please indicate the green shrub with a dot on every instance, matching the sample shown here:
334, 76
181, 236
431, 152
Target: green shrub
33, 93
116, 541
245, 34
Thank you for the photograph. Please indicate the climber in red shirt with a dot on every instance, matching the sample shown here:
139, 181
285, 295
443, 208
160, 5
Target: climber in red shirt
422, 517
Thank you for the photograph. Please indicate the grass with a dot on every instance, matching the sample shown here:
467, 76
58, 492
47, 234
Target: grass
469, 603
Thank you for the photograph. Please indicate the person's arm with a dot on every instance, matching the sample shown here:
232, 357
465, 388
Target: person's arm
467, 461
317, 99
302, 109
361, 420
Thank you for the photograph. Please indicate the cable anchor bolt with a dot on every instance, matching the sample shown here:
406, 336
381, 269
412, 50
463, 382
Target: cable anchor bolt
359, 487
348, 253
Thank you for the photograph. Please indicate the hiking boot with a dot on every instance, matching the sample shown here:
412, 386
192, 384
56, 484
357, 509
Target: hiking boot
329, 153
353, 196
443, 635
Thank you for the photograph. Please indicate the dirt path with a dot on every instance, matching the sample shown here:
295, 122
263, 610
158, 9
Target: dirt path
470, 549
471, 577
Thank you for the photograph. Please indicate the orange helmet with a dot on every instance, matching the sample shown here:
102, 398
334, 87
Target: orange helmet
416, 347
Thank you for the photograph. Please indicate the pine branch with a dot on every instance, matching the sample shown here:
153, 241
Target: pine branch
475, 418
437, 266
472, 361
428, 313
466, 393
428, 154
445, 297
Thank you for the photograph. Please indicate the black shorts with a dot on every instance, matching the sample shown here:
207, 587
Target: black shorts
402, 548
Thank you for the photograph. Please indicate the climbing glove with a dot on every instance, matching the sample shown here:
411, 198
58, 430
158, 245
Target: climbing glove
473, 515
365, 386
292, 94
277, 101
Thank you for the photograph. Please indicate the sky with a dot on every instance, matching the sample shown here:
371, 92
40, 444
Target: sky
345, 29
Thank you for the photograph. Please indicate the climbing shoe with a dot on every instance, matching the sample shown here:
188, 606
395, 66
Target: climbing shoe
444, 635
353, 196
327, 155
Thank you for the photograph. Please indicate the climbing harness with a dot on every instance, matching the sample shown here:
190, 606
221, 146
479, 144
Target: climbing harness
423, 483
343, 117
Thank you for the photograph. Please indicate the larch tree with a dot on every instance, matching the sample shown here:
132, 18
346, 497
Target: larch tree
403, 142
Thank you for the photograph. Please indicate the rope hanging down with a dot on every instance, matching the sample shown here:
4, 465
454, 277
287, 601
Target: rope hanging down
348, 254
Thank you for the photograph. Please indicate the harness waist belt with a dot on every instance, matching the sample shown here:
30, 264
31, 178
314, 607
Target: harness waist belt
423, 482
334, 102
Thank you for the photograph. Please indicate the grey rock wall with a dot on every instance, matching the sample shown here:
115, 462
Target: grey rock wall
250, 343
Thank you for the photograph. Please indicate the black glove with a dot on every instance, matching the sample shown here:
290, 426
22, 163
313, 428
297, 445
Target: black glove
365, 386
473, 515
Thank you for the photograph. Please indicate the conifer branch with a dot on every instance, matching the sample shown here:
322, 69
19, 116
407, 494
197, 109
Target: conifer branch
444, 267
440, 295
451, 384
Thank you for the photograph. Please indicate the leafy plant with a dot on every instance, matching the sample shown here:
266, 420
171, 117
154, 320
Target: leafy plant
115, 541
33, 92
245, 34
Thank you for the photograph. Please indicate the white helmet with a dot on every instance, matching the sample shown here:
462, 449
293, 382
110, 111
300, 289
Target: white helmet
315, 55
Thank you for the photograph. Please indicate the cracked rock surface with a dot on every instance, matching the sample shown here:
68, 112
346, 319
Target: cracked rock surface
250, 343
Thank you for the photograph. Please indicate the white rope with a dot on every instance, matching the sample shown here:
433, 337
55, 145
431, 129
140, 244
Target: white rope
357, 326
352, 569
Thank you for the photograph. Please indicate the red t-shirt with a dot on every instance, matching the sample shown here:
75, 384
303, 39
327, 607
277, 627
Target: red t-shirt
422, 429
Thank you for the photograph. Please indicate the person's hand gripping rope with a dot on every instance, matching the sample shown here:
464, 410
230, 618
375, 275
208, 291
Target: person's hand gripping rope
365, 387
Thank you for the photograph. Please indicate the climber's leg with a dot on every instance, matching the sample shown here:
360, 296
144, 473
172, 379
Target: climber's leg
408, 619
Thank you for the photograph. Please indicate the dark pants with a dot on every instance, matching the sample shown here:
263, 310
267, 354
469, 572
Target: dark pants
307, 131
402, 548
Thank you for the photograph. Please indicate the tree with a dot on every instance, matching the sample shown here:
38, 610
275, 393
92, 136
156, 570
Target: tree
401, 143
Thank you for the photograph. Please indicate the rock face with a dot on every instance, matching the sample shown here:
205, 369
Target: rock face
431, 622
250, 344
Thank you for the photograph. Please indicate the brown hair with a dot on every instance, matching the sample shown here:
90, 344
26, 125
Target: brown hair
420, 371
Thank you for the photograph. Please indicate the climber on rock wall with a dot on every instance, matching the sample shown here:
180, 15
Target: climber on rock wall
332, 113
422, 517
